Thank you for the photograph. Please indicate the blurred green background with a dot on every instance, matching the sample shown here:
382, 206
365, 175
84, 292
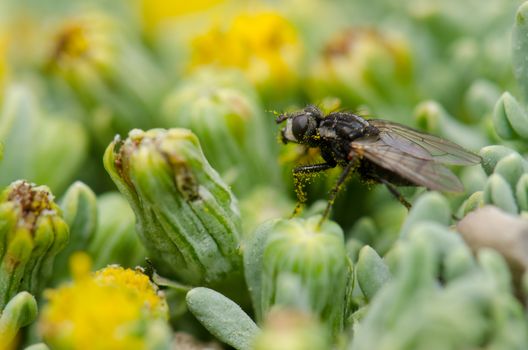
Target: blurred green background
78, 77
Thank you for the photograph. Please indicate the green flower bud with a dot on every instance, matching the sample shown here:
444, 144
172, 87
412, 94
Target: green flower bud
430, 206
353, 247
313, 258
511, 167
491, 155
476, 291
253, 249
222, 317
371, 272
473, 178
115, 240
457, 262
494, 265
499, 193
509, 118
521, 192
480, 99
433, 118
415, 309
186, 216
19, 312
475, 201
33, 141
79, 210
224, 113
32, 232
290, 329
452, 256
414, 278
262, 204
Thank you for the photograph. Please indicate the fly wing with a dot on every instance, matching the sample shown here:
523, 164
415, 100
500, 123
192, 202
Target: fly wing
411, 166
415, 142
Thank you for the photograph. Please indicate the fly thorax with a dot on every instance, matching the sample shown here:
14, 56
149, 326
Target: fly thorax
327, 133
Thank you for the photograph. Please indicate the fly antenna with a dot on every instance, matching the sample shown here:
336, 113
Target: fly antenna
279, 117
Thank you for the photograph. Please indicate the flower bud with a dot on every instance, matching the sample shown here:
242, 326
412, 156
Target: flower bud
32, 233
511, 168
510, 119
475, 201
135, 313
79, 209
302, 257
221, 108
521, 192
372, 273
499, 193
32, 141
19, 312
491, 155
82, 48
186, 216
115, 240
480, 99
431, 206
262, 204
391, 320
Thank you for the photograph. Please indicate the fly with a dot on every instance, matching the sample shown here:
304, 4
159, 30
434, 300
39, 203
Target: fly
378, 150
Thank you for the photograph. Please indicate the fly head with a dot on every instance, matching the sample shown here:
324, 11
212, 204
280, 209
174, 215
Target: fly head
301, 127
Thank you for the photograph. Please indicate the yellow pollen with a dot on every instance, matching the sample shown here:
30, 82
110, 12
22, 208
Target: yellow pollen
107, 309
264, 45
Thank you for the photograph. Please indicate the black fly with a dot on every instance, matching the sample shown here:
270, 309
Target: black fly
378, 150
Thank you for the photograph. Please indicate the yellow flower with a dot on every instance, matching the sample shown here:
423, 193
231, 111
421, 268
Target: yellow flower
84, 46
114, 308
154, 12
264, 45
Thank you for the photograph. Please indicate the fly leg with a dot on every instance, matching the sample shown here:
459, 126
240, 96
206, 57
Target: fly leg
394, 191
298, 174
336, 189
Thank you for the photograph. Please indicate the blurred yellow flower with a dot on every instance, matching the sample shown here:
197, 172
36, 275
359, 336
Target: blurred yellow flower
154, 12
264, 45
84, 46
110, 309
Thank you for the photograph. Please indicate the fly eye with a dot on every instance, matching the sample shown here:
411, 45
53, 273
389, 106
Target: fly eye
299, 126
